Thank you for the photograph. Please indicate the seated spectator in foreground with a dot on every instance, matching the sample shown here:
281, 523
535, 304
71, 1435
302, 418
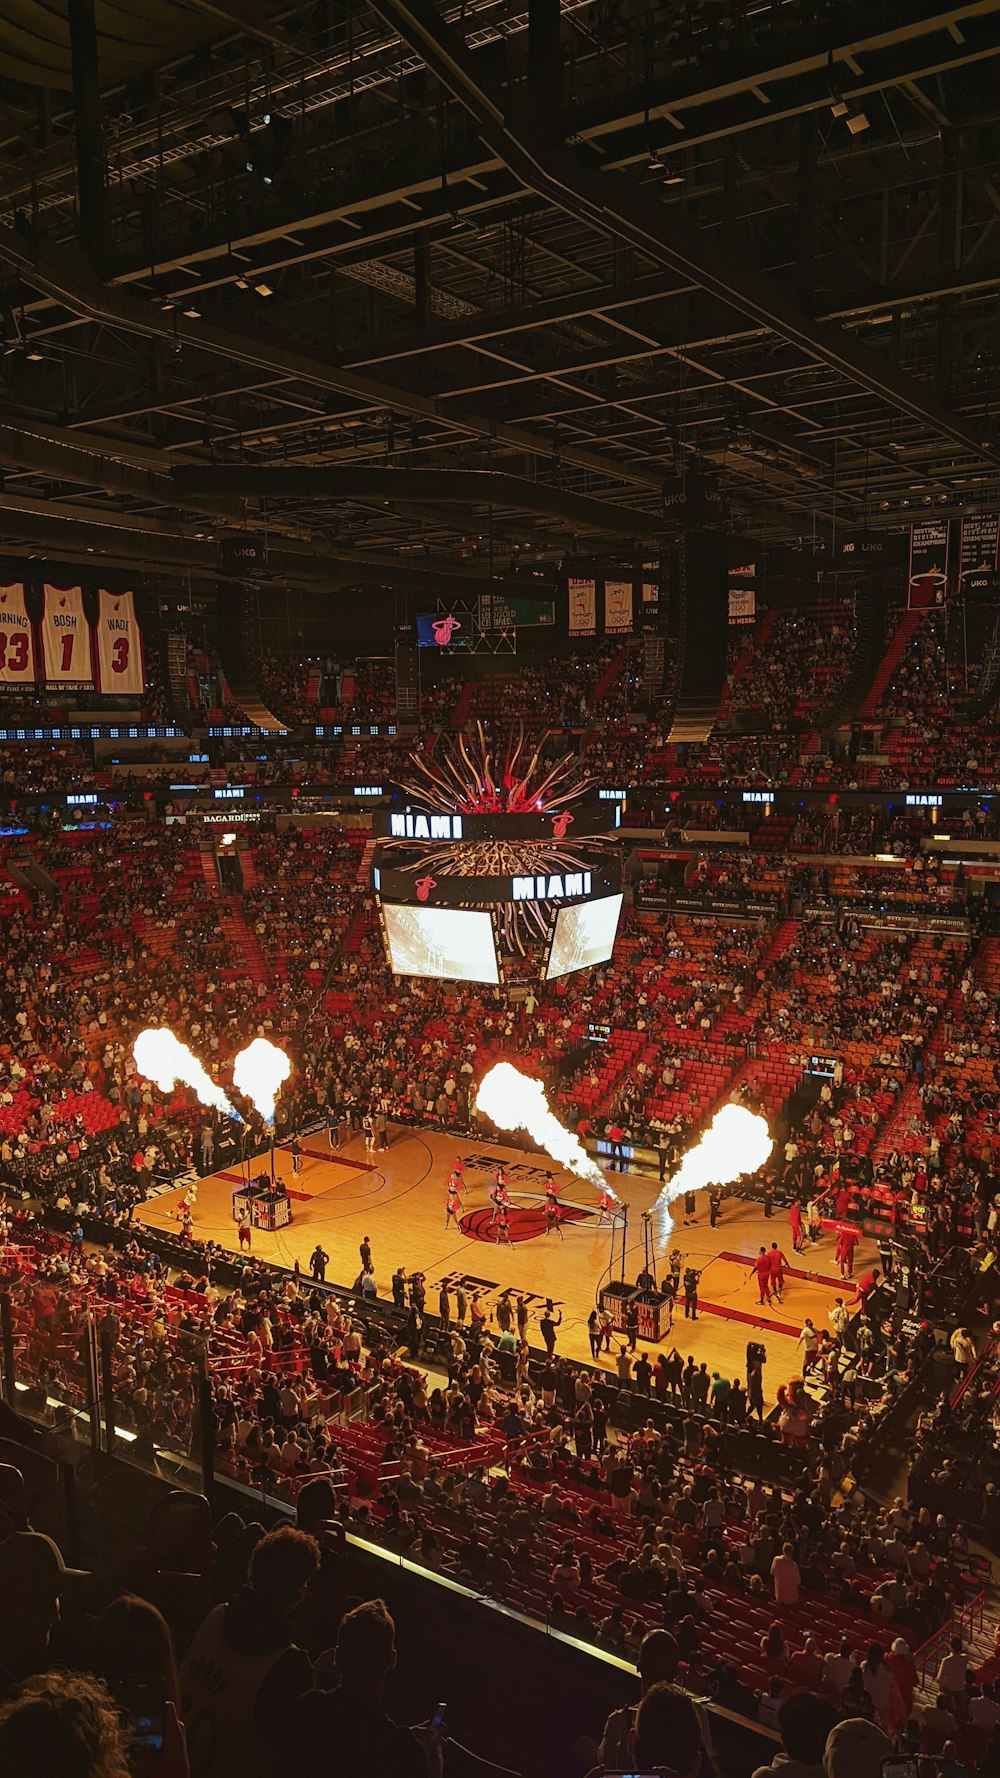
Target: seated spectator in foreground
244, 1672
342, 1729
668, 1733
855, 1749
62, 1725
32, 1573
804, 1721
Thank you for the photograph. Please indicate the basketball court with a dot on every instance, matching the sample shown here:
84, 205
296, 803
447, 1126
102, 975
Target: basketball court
396, 1197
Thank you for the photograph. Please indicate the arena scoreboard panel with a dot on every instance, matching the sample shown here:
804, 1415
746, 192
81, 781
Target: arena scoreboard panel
459, 893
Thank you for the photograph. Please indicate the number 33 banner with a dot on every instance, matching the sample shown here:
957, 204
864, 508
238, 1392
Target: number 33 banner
17, 643
119, 645
65, 635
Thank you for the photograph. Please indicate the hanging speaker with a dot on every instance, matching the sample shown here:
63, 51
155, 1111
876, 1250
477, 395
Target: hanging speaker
699, 622
240, 655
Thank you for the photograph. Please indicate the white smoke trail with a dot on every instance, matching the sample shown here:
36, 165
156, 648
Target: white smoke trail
516, 1101
163, 1058
736, 1142
260, 1072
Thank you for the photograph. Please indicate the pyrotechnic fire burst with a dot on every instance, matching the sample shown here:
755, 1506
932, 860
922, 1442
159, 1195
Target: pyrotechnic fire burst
163, 1058
260, 1072
515, 1101
469, 781
736, 1142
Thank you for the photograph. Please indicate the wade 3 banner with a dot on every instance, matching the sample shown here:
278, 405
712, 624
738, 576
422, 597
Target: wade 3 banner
17, 639
118, 645
65, 638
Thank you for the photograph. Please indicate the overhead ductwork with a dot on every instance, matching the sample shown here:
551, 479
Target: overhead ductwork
618, 207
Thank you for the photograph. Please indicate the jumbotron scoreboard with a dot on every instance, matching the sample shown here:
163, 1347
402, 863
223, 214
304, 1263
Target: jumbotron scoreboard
480, 864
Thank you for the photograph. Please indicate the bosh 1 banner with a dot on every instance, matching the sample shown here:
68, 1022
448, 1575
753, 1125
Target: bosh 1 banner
65, 636
583, 608
17, 639
119, 645
618, 608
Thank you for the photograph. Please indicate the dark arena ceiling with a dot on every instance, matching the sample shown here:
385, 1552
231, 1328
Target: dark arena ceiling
417, 290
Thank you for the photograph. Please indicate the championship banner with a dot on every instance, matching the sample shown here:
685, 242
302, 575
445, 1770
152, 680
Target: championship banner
928, 564
583, 608
120, 666
979, 549
618, 608
17, 639
65, 637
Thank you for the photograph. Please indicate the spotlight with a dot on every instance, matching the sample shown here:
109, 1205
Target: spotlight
263, 289
242, 282
839, 108
191, 312
674, 178
857, 123
166, 304
32, 354
457, 225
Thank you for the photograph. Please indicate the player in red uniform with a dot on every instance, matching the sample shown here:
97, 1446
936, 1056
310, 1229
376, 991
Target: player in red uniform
795, 1223
777, 1264
762, 1273
847, 1240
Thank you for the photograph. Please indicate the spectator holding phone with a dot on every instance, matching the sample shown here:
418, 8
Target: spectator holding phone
134, 1655
341, 1727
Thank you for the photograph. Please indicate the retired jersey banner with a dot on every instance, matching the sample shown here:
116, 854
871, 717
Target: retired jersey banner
583, 608
65, 635
17, 639
119, 645
618, 608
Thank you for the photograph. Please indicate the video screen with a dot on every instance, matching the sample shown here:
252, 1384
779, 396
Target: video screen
437, 629
584, 935
451, 944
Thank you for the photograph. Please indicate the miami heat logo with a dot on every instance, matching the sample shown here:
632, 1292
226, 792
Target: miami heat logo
444, 629
560, 823
423, 886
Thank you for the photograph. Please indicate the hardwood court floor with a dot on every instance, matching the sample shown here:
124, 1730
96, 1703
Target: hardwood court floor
397, 1198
